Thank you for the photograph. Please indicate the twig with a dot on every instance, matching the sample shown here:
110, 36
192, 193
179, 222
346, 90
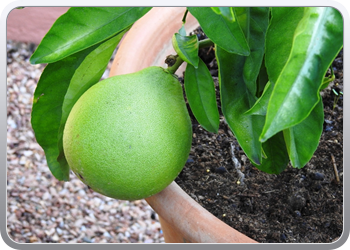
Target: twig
237, 165
270, 191
335, 169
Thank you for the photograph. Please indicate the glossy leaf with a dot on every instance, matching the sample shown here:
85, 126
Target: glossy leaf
50, 108
227, 35
254, 22
302, 139
277, 158
201, 96
187, 48
236, 99
238, 76
226, 12
260, 106
278, 47
316, 40
82, 27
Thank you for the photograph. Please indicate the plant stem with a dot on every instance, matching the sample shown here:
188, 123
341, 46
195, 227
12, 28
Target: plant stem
172, 69
184, 17
178, 61
205, 43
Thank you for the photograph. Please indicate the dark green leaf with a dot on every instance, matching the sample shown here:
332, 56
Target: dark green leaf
262, 80
284, 21
236, 99
302, 140
254, 22
228, 35
314, 43
82, 27
50, 98
277, 158
260, 106
187, 48
200, 92
238, 76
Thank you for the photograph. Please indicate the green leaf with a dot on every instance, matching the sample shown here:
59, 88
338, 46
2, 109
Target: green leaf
82, 27
201, 96
226, 12
277, 158
187, 48
54, 97
182, 30
314, 42
262, 80
228, 35
238, 76
254, 22
278, 47
260, 106
302, 140
236, 99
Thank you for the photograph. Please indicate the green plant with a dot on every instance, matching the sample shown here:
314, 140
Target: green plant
272, 63
336, 98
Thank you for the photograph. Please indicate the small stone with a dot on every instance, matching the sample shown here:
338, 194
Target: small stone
82, 192
283, 237
189, 160
87, 240
33, 239
50, 232
47, 196
317, 176
297, 213
27, 153
55, 238
106, 234
220, 170
327, 224
59, 231
297, 201
148, 241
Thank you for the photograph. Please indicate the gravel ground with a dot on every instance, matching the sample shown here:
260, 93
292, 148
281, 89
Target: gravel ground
39, 207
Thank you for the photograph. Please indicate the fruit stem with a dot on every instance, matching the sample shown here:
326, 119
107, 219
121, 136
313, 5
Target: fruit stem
184, 17
174, 61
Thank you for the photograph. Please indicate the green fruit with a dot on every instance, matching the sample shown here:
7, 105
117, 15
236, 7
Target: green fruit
129, 136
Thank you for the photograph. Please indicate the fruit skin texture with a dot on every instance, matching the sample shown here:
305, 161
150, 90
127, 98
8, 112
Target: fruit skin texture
129, 136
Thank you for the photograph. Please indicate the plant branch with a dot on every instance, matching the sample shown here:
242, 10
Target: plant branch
174, 61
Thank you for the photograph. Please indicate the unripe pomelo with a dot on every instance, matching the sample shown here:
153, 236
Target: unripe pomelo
129, 136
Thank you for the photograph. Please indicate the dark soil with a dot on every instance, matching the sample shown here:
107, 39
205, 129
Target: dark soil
297, 206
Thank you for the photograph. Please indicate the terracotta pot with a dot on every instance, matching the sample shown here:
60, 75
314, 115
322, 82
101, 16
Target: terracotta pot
148, 43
